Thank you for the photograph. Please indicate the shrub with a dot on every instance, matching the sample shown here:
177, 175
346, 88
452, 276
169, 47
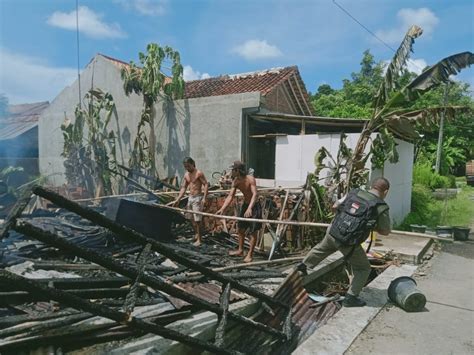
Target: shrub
424, 208
424, 175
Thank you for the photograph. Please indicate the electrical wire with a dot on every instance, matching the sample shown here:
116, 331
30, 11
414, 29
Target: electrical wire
372, 33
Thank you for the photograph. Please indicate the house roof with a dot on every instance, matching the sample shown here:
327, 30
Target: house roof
263, 81
21, 119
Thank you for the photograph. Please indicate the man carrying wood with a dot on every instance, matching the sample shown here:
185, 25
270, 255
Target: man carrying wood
198, 188
249, 209
357, 214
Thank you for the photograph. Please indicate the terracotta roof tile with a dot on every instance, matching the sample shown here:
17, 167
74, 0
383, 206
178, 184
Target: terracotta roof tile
263, 81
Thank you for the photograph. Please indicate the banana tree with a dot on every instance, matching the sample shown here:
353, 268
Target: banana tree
89, 159
150, 81
390, 114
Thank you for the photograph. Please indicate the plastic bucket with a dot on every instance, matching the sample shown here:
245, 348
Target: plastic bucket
461, 233
417, 228
403, 292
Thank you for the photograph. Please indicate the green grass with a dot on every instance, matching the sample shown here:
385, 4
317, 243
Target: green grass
427, 211
459, 211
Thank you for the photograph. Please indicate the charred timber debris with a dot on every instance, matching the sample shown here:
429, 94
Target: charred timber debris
121, 299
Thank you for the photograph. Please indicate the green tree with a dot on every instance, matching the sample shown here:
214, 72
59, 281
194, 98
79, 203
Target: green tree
150, 82
90, 160
355, 99
393, 110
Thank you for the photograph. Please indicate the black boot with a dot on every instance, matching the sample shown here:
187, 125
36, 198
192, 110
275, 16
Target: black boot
353, 301
301, 267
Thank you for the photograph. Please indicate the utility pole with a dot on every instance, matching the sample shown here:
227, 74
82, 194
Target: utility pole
441, 129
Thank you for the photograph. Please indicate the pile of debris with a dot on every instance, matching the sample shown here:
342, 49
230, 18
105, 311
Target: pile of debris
72, 277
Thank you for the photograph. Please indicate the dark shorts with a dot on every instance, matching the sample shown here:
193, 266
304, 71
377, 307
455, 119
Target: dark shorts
256, 213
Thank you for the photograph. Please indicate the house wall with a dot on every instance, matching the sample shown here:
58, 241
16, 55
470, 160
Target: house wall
208, 129
295, 158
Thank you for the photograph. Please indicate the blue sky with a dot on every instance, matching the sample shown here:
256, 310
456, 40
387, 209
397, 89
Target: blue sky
38, 40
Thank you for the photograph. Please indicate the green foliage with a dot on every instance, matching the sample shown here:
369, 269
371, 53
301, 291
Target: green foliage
423, 174
425, 210
384, 148
150, 81
355, 99
402, 103
89, 161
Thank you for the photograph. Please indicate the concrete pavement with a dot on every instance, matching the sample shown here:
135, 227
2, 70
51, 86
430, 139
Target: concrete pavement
446, 326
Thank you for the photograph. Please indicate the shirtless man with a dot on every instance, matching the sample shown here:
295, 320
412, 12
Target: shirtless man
250, 208
197, 183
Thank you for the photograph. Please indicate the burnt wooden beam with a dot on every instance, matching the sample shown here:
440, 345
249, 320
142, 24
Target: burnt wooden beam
43, 325
15, 212
134, 236
224, 302
14, 320
106, 312
132, 272
18, 297
86, 282
148, 177
132, 296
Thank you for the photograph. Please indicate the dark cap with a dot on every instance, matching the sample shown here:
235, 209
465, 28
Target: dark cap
238, 165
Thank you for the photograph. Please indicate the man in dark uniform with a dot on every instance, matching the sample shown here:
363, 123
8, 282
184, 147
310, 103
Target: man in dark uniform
355, 255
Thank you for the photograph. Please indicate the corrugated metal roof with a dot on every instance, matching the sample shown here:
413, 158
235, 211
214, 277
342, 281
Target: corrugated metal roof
21, 119
305, 320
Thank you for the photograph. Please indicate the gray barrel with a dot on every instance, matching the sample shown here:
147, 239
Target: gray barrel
404, 293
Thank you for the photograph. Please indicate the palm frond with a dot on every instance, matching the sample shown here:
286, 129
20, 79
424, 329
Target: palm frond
404, 122
438, 74
399, 60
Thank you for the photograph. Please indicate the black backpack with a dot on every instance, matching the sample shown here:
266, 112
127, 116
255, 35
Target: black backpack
356, 217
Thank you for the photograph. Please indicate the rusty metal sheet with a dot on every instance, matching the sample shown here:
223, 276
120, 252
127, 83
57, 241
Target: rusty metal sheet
305, 321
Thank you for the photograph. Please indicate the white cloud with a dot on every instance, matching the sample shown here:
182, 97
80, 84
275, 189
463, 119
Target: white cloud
150, 7
257, 49
190, 74
90, 23
145, 7
416, 65
422, 17
26, 79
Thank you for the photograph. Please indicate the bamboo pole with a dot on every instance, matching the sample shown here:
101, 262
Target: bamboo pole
165, 193
293, 223
233, 218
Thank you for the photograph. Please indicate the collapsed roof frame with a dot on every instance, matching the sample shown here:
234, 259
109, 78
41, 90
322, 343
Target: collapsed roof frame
138, 275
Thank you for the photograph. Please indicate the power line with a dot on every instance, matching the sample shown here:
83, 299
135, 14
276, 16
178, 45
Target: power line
77, 42
372, 33
362, 25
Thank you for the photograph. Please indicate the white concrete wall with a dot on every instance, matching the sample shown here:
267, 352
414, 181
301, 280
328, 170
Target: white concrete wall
207, 129
400, 176
295, 159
